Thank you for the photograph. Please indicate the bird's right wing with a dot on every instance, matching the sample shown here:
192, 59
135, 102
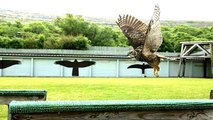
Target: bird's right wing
85, 63
154, 36
134, 29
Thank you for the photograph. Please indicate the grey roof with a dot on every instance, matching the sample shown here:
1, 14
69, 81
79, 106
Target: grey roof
93, 52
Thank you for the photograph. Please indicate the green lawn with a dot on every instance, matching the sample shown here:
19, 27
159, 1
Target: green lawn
111, 88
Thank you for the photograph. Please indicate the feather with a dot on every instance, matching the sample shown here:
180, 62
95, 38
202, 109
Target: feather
154, 36
133, 29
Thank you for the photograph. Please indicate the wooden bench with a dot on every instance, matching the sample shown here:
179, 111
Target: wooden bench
112, 110
6, 96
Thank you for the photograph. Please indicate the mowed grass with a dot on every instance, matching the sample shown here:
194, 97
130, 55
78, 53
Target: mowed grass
111, 88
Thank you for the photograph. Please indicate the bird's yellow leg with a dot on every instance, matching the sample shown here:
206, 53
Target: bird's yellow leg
156, 71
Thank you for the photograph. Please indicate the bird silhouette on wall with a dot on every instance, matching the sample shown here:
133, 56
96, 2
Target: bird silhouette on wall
7, 63
139, 66
145, 39
75, 65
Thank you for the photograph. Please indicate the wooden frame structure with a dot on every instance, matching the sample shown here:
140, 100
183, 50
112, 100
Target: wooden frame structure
198, 50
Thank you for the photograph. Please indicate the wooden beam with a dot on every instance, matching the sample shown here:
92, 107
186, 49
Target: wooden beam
189, 50
203, 49
211, 50
6, 96
121, 115
195, 57
112, 110
197, 42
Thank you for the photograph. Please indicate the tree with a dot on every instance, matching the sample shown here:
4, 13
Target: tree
35, 27
4, 41
15, 43
104, 37
9, 29
52, 43
72, 25
75, 42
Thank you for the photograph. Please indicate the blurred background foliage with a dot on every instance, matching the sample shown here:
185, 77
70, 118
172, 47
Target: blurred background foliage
73, 32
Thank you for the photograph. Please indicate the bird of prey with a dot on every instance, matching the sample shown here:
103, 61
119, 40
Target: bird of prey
145, 39
139, 66
75, 65
8, 63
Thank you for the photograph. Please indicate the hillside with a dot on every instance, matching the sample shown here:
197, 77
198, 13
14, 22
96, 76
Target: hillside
24, 16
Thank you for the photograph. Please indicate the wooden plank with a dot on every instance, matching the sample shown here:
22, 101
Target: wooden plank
121, 115
6, 96
197, 42
112, 110
196, 57
204, 50
189, 50
5, 100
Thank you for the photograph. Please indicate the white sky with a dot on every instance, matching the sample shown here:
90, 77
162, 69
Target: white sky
143, 9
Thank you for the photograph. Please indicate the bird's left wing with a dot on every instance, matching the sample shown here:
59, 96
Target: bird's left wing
134, 29
8, 63
154, 36
65, 63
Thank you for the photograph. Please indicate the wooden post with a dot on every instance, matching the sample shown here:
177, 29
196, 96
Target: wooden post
211, 50
184, 66
211, 94
204, 68
180, 67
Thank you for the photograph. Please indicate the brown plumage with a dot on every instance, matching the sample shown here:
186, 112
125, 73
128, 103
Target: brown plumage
145, 39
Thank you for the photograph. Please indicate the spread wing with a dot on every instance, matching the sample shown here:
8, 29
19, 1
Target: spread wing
86, 63
8, 63
75, 63
65, 63
139, 66
154, 36
134, 29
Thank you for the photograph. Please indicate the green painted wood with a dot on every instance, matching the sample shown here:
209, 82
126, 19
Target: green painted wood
18, 107
23, 92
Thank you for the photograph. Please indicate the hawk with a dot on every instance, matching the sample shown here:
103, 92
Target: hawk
145, 39
75, 65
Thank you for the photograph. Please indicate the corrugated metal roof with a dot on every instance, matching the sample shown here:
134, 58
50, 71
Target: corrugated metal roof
93, 52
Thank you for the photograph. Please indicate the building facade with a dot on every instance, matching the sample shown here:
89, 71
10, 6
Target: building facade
109, 62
